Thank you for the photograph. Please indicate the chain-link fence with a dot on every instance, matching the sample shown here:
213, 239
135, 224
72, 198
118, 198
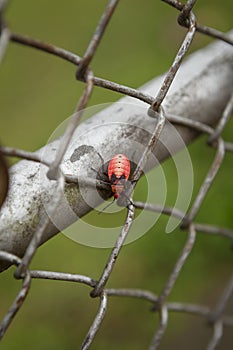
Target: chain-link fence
216, 317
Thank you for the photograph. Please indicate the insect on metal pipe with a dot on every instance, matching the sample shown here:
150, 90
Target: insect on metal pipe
118, 173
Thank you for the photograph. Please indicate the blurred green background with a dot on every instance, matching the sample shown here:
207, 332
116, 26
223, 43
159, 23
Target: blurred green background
37, 92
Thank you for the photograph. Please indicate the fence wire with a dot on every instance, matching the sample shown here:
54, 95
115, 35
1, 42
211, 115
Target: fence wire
216, 317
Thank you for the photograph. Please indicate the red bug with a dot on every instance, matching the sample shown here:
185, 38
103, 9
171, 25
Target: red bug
118, 173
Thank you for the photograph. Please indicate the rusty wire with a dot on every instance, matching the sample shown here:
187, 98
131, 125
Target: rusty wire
179, 57
216, 317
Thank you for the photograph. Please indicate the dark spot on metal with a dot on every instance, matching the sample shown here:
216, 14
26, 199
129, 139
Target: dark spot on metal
81, 151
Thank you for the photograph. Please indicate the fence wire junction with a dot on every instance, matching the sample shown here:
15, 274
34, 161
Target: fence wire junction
216, 318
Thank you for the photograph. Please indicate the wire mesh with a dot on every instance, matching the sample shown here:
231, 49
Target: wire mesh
216, 317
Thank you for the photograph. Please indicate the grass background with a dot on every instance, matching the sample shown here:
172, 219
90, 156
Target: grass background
37, 92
